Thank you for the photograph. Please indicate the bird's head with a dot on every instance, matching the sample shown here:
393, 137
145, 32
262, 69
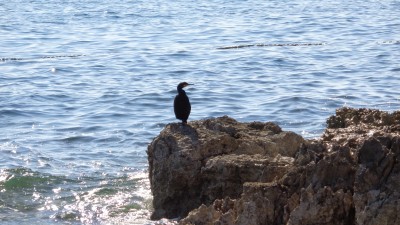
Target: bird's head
183, 84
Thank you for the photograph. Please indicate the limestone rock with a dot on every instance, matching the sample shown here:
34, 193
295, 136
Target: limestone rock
224, 176
323, 206
220, 171
209, 159
261, 203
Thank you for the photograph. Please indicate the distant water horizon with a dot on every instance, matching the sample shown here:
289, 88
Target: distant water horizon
86, 85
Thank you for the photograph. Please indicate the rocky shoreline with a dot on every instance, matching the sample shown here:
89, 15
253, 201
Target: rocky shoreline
220, 171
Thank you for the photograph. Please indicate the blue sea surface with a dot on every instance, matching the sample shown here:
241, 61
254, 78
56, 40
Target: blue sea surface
86, 85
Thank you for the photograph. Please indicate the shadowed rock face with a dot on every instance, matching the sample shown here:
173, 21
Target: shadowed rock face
225, 172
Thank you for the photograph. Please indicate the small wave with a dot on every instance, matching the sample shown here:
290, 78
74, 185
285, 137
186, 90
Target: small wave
92, 128
84, 199
109, 116
106, 191
78, 139
28, 113
108, 139
24, 178
12, 112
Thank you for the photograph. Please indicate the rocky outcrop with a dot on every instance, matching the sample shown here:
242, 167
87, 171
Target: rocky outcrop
212, 159
220, 171
373, 139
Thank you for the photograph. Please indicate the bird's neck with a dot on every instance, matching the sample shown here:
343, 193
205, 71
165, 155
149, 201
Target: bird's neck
181, 91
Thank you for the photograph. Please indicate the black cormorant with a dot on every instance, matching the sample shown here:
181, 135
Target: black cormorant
182, 104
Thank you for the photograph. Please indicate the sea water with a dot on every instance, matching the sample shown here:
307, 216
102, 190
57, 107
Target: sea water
86, 85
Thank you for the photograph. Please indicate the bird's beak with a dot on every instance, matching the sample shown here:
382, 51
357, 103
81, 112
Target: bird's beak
188, 85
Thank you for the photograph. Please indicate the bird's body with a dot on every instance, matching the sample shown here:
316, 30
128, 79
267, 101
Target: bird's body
182, 105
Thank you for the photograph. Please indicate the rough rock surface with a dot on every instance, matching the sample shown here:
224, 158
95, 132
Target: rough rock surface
220, 171
211, 159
